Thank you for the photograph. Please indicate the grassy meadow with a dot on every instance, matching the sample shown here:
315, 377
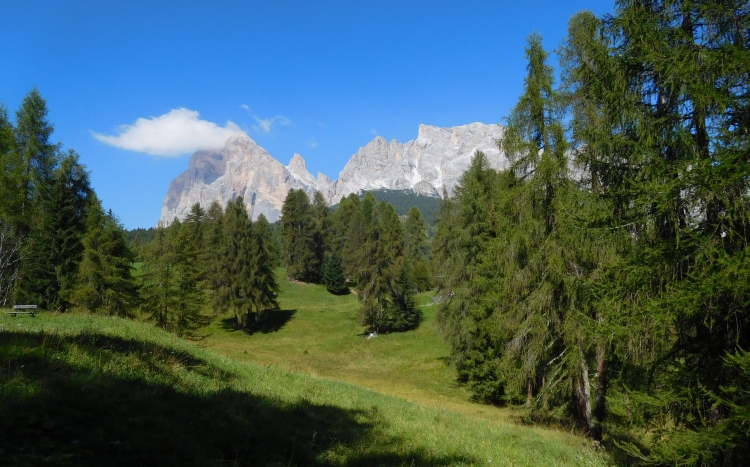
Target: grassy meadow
305, 389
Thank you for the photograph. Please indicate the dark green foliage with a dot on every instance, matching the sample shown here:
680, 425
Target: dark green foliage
105, 283
237, 263
403, 200
616, 295
264, 286
158, 280
416, 250
333, 275
298, 237
403, 314
55, 242
383, 283
322, 237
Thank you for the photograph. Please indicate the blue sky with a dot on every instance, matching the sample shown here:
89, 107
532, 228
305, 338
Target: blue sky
319, 78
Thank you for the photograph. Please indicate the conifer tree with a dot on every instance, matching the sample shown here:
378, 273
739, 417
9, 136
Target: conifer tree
158, 280
55, 245
322, 236
356, 237
189, 274
212, 254
333, 275
264, 285
404, 314
386, 306
298, 237
416, 250
105, 283
341, 221
238, 261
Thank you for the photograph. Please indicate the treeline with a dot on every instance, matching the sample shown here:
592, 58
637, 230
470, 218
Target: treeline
605, 276
362, 243
58, 247
60, 250
217, 259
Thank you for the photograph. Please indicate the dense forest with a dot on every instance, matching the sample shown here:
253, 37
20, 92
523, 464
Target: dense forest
604, 275
602, 280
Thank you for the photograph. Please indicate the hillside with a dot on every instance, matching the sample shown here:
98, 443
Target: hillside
88, 390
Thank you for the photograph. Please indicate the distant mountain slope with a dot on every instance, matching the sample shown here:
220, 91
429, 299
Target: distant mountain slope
426, 165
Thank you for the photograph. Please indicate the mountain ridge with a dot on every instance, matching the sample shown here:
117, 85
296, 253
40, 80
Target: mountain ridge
433, 161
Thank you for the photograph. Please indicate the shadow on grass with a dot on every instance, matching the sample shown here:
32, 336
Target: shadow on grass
273, 320
96, 400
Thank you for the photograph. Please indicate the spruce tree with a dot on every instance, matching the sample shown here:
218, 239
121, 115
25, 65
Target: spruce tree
333, 275
158, 287
322, 235
416, 250
105, 283
298, 237
189, 275
264, 285
55, 242
238, 262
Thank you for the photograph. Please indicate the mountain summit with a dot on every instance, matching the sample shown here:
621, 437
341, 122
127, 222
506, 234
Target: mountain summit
433, 161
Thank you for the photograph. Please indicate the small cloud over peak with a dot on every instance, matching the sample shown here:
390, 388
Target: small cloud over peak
374, 132
179, 131
264, 125
312, 143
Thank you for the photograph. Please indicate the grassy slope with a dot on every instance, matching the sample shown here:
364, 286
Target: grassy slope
88, 390
318, 333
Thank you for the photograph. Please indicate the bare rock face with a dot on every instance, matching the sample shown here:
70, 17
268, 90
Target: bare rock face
242, 168
427, 165
435, 160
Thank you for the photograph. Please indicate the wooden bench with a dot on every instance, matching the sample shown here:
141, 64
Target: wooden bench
16, 309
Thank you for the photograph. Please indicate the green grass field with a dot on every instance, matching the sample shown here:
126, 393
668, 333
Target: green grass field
307, 389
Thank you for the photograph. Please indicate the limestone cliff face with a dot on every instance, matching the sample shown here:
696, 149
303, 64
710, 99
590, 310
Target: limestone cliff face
242, 168
436, 159
433, 161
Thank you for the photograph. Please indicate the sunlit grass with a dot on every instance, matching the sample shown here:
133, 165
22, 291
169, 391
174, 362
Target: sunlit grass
78, 389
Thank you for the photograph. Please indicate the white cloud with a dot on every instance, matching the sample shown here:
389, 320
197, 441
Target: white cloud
177, 132
264, 124
312, 143
374, 132
245, 106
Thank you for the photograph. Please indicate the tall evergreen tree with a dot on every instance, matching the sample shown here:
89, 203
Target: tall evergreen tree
298, 237
416, 250
105, 283
333, 275
322, 236
238, 261
189, 274
264, 285
55, 242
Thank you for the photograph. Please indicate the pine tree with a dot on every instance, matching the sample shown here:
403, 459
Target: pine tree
237, 291
212, 258
105, 283
384, 306
158, 286
298, 237
264, 285
322, 235
416, 250
55, 242
189, 275
404, 314
333, 275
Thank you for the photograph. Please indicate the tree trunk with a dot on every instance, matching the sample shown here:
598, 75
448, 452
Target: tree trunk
529, 394
583, 389
601, 394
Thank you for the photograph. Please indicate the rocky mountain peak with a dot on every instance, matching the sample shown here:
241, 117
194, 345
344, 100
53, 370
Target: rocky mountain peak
432, 162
